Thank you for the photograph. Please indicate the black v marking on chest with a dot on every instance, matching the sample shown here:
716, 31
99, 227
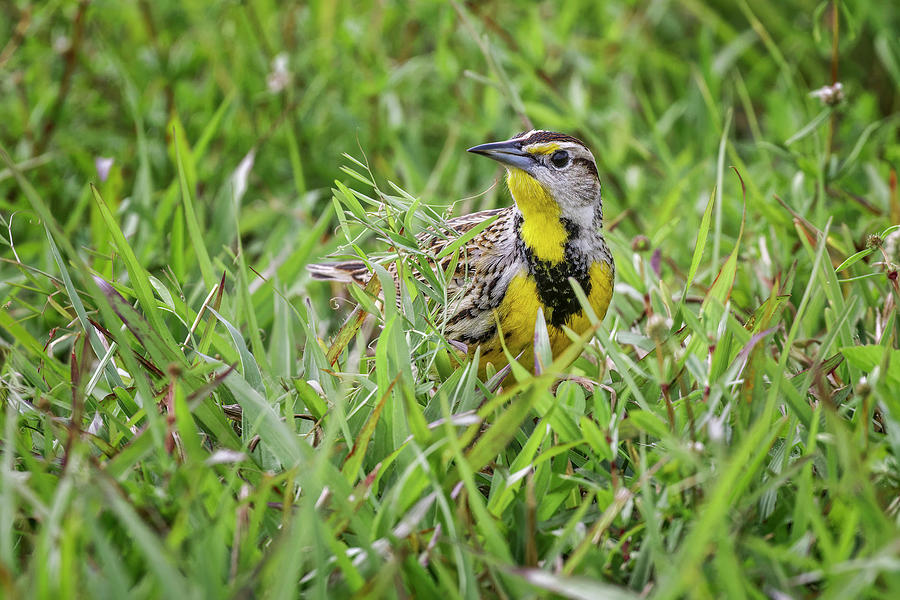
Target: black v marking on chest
552, 279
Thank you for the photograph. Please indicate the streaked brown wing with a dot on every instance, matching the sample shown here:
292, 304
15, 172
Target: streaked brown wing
472, 251
458, 226
434, 243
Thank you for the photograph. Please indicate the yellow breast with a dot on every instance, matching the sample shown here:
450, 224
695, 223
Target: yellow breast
517, 314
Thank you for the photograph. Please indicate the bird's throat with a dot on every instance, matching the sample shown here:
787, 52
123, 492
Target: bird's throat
542, 231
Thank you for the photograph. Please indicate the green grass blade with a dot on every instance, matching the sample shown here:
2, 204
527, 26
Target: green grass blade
190, 214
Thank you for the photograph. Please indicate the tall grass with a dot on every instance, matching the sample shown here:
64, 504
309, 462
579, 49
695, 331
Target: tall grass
184, 413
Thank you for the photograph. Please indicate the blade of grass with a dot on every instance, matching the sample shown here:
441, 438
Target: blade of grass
190, 215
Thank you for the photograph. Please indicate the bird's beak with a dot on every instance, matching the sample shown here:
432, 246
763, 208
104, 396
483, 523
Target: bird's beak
508, 153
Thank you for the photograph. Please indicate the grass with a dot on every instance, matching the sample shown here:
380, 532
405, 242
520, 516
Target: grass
185, 414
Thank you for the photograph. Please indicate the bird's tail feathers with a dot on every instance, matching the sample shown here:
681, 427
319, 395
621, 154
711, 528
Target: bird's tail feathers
350, 271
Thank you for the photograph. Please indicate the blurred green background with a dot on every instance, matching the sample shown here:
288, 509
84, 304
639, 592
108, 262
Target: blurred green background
227, 123
651, 87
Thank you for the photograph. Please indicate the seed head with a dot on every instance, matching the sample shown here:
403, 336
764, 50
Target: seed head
874, 241
640, 243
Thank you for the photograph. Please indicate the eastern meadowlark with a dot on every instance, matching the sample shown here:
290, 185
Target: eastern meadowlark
524, 259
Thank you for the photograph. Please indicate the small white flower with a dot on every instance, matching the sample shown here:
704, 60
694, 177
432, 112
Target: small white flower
103, 166
278, 78
829, 94
61, 44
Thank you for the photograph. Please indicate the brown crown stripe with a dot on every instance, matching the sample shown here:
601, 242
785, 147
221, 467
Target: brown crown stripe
539, 137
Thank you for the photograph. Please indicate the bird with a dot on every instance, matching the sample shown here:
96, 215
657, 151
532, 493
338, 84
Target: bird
522, 261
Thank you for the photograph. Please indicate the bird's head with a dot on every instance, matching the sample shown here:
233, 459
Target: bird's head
549, 172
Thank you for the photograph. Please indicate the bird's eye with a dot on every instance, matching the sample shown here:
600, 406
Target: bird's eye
559, 159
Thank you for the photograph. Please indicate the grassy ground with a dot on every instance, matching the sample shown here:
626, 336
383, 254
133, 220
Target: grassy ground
183, 416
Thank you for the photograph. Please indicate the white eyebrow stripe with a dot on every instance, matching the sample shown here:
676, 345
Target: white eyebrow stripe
526, 134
